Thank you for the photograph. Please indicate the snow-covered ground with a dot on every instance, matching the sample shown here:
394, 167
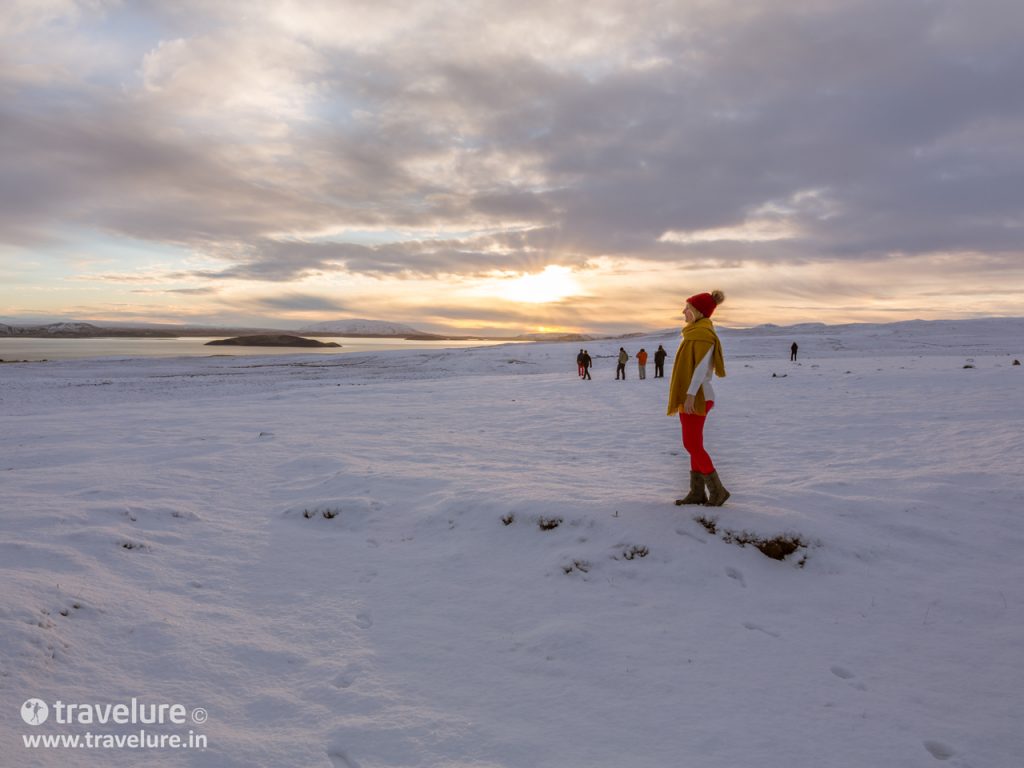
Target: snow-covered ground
163, 536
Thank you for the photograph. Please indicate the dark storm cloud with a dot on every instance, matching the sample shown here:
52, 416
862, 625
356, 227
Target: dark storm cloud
870, 128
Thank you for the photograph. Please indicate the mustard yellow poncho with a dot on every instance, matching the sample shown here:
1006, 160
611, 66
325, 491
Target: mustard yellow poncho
698, 337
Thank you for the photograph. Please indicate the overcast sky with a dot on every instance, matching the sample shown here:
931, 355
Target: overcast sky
511, 166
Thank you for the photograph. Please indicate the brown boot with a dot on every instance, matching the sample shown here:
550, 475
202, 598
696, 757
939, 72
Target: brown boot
716, 491
696, 494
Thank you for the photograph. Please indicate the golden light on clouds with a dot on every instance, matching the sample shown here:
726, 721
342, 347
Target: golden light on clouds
754, 231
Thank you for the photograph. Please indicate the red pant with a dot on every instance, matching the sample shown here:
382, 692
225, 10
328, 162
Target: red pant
693, 439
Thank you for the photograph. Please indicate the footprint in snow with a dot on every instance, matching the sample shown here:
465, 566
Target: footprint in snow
938, 750
844, 674
345, 679
364, 620
340, 759
758, 628
684, 532
734, 573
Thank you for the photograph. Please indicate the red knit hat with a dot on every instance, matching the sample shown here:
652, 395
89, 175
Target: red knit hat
703, 303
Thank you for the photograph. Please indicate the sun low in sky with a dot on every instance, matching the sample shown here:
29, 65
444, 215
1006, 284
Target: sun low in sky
553, 283
503, 166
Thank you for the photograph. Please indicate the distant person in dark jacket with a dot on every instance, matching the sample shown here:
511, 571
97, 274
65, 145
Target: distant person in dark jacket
793, 350
621, 368
587, 362
659, 362
579, 364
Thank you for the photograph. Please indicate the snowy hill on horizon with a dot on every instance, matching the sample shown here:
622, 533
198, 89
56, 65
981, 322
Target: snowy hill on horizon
361, 327
64, 328
917, 337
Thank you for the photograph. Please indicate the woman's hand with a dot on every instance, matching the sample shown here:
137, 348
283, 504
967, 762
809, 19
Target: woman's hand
690, 405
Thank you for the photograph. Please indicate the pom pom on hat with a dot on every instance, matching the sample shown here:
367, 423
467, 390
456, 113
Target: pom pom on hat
705, 303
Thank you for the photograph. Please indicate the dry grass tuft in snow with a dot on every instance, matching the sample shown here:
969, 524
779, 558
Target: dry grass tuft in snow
777, 547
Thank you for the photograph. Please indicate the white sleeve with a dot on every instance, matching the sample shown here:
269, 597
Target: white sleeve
700, 372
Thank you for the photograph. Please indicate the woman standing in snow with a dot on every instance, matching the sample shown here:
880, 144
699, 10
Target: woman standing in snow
692, 397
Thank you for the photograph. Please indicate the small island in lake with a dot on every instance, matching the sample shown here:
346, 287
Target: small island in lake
272, 340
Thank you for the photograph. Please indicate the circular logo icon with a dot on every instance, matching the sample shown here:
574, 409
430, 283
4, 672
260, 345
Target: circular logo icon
35, 711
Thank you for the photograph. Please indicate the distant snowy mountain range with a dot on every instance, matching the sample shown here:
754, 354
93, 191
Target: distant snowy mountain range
75, 330
71, 329
359, 327
555, 337
973, 331
55, 329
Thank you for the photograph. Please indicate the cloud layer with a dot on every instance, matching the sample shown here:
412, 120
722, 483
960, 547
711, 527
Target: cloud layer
451, 140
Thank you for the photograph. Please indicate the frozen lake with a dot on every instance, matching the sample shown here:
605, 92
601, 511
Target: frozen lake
15, 348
